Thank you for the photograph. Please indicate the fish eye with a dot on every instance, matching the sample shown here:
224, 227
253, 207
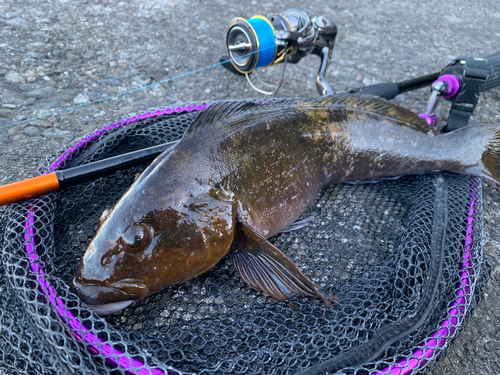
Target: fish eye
137, 242
136, 238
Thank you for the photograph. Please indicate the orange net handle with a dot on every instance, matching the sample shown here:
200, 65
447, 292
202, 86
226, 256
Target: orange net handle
28, 188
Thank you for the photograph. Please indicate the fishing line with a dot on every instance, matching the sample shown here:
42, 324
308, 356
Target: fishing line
134, 90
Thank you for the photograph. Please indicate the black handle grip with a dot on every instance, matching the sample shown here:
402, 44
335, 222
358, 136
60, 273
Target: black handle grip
387, 90
493, 67
87, 172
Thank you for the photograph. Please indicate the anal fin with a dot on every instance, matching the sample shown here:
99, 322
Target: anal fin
265, 268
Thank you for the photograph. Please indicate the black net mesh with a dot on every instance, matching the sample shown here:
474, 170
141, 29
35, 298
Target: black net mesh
403, 256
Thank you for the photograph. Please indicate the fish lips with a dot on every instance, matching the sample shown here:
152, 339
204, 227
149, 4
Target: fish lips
107, 299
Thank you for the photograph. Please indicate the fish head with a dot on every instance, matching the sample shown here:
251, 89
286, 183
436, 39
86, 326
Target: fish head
140, 249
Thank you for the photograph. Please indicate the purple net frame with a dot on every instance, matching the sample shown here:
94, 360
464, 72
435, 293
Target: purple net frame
431, 346
436, 341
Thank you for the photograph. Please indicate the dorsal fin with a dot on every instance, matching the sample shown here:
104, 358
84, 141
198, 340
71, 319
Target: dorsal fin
216, 114
376, 105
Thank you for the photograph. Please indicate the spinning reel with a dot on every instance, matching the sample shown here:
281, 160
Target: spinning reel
279, 38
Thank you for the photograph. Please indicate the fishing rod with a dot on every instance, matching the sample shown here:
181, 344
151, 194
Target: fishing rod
65, 178
288, 37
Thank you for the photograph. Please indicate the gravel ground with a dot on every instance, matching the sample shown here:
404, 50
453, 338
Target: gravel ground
58, 54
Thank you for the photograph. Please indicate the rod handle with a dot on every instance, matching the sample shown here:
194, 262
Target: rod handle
31, 187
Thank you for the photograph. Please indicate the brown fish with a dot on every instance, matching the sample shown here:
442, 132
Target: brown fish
244, 172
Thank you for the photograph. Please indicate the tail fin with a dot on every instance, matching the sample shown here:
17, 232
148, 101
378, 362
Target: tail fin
490, 160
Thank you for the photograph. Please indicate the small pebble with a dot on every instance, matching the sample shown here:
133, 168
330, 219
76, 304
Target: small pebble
34, 55
28, 87
181, 85
10, 15
14, 77
31, 131
43, 93
111, 81
93, 95
17, 22
29, 102
81, 98
46, 106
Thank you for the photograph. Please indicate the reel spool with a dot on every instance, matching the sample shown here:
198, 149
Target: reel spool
279, 38
251, 42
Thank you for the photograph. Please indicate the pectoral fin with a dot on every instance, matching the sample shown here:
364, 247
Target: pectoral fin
265, 268
298, 224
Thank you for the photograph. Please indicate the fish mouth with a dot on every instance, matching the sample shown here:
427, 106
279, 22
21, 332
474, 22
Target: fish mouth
106, 299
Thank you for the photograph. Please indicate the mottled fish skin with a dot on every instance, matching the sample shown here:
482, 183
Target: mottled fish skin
245, 172
278, 161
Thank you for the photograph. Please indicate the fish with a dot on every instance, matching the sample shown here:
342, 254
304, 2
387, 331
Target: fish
244, 172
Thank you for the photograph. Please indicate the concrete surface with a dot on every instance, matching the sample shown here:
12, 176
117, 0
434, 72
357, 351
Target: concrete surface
61, 53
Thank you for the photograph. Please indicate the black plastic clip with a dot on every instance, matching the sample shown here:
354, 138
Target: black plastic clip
472, 74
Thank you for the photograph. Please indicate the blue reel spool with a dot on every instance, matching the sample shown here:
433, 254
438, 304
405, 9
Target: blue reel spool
251, 43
